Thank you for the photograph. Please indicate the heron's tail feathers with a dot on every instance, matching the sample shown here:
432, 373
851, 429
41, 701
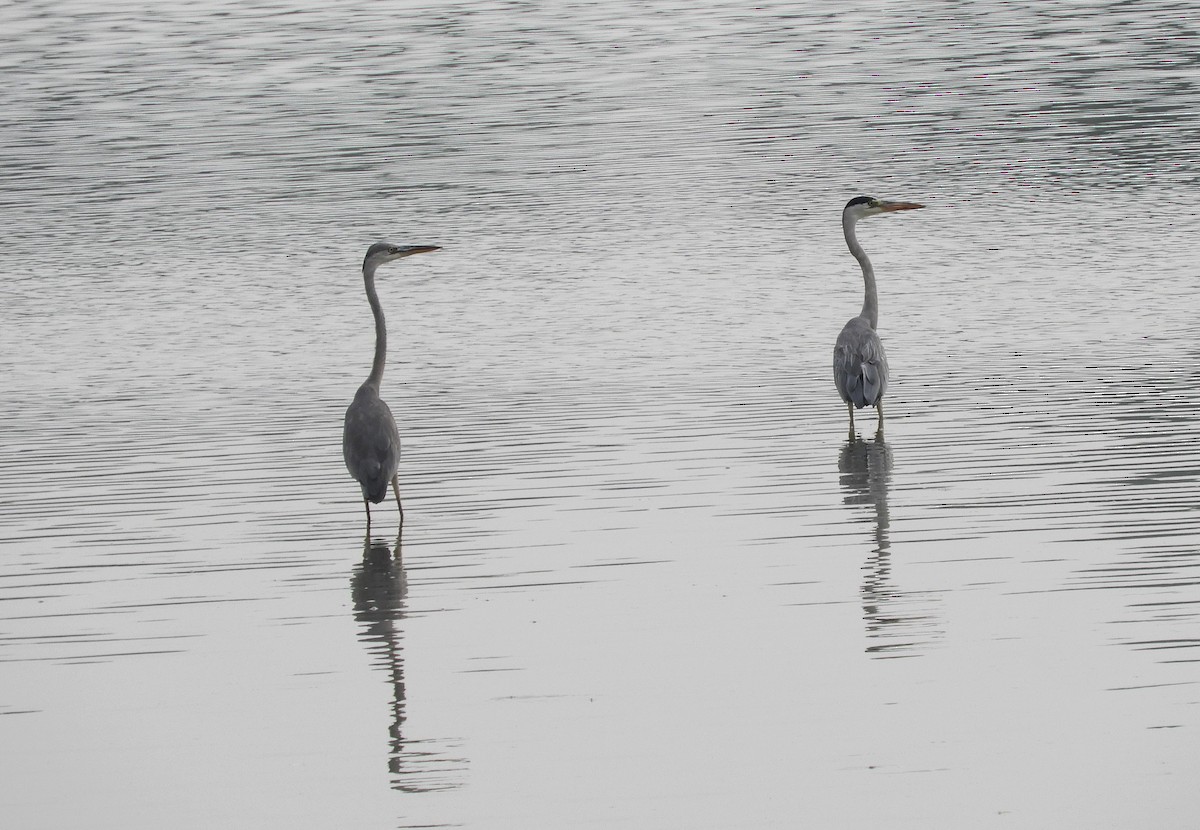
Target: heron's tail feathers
872, 384
374, 482
375, 492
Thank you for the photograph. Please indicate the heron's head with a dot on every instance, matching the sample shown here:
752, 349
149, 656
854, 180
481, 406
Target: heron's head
382, 252
861, 207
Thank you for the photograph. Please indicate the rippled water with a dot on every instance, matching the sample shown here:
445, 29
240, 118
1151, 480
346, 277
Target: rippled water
646, 579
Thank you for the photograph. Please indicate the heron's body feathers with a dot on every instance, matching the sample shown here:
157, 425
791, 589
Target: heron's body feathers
860, 370
371, 443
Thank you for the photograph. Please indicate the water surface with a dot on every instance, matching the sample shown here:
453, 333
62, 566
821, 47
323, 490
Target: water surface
647, 579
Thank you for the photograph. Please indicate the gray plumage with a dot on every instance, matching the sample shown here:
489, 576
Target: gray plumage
370, 440
860, 369
371, 443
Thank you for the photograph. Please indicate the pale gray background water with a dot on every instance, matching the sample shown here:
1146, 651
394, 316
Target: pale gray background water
647, 581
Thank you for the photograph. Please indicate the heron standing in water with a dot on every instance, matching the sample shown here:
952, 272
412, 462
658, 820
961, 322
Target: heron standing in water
370, 440
860, 369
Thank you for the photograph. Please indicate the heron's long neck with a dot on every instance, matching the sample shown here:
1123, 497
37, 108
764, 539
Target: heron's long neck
376, 375
870, 309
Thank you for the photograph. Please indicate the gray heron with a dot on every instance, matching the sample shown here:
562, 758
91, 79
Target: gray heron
370, 440
860, 369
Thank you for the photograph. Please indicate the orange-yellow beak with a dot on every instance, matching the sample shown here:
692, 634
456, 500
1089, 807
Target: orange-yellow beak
888, 207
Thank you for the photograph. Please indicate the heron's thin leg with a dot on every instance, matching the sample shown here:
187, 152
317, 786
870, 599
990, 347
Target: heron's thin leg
396, 490
879, 407
367, 505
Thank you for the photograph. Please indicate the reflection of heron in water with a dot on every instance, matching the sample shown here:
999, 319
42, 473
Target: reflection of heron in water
370, 440
866, 468
378, 589
866, 474
860, 370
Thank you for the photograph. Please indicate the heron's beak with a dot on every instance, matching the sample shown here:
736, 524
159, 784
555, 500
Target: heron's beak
888, 207
409, 250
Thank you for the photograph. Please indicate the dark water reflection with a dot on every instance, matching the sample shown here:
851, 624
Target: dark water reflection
866, 472
378, 590
899, 622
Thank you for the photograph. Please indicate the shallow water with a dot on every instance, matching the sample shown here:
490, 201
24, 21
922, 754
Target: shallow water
646, 580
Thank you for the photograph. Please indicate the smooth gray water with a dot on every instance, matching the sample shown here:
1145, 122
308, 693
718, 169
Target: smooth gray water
647, 581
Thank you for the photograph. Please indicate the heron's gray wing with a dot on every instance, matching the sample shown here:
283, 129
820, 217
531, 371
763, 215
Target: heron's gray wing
371, 445
860, 369
874, 371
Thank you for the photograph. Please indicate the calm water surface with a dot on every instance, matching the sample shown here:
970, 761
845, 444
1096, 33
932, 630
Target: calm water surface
646, 580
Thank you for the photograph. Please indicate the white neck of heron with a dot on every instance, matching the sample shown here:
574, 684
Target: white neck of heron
870, 309
376, 375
